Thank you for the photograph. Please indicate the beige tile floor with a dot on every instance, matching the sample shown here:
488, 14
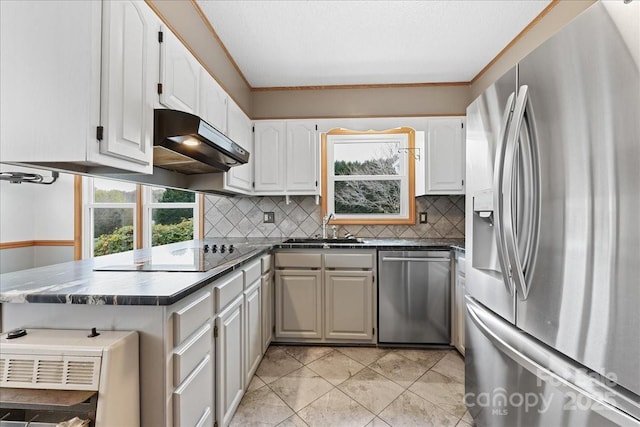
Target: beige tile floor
355, 386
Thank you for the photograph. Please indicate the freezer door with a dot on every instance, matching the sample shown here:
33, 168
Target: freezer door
514, 380
582, 293
488, 119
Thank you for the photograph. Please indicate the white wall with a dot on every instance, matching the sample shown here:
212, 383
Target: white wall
34, 211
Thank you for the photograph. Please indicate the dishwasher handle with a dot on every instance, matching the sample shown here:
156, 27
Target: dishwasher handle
413, 259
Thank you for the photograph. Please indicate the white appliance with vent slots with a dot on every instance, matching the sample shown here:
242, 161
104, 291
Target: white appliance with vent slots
54, 359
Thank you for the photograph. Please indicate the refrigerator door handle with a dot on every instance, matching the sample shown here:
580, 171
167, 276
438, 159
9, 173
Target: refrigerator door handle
522, 144
498, 200
614, 403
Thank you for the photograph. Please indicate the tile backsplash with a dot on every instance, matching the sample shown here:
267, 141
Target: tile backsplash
242, 217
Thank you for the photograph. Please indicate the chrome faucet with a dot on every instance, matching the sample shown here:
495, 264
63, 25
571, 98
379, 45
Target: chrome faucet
325, 221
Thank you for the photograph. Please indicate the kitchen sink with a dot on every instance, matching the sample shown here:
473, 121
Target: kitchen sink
319, 240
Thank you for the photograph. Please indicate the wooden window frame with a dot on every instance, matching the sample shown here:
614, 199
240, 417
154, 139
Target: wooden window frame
410, 177
83, 203
146, 206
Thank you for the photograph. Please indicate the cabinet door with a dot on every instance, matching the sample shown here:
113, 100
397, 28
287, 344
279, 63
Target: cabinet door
129, 76
267, 310
298, 304
212, 102
229, 361
349, 305
49, 80
302, 157
253, 329
239, 130
445, 156
192, 399
179, 74
269, 156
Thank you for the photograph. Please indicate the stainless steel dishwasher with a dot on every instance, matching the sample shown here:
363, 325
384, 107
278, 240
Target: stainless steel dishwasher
414, 297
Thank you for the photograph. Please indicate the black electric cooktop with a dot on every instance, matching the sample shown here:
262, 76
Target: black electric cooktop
195, 259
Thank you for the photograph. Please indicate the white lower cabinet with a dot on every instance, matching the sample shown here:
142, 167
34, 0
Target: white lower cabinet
189, 354
458, 309
238, 335
268, 300
299, 304
229, 360
192, 392
325, 296
192, 399
348, 305
253, 329
198, 354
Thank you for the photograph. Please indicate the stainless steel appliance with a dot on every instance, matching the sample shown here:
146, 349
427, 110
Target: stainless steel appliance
414, 297
553, 201
185, 143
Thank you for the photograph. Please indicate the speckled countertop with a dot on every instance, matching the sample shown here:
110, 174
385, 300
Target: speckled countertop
78, 283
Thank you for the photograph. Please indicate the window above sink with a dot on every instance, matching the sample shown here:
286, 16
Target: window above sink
368, 177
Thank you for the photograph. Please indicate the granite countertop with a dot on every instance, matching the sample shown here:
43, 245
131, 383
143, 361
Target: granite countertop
76, 282
382, 244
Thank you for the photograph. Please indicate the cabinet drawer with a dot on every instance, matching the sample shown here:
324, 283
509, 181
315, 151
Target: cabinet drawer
190, 353
348, 261
266, 263
193, 398
298, 260
191, 317
251, 273
206, 419
228, 289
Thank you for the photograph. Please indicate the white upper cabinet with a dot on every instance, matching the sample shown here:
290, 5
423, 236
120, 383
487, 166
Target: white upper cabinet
269, 151
212, 106
240, 178
187, 86
445, 156
179, 75
302, 156
76, 83
130, 68
286, 157
440, 162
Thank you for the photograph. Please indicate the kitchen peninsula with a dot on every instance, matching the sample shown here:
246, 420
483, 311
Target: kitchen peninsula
184, 318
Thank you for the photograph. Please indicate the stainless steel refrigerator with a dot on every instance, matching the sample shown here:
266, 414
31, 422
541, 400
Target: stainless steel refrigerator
553, 231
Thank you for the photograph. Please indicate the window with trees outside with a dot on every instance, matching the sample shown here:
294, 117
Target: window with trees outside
368, 177
170, 214
120, 216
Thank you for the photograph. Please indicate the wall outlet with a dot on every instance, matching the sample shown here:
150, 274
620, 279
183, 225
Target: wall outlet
268, 217
423, 217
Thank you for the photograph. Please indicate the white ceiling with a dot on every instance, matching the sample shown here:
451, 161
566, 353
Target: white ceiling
332, 42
